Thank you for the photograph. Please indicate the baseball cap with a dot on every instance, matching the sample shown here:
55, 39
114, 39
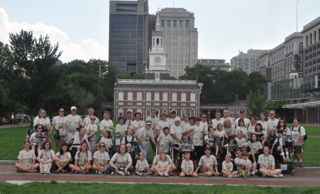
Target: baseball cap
73, 108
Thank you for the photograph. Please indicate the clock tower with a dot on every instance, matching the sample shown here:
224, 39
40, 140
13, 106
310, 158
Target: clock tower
157, 60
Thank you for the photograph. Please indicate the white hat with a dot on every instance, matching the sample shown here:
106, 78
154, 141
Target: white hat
73, 108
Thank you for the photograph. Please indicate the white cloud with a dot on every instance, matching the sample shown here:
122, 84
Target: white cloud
84, 49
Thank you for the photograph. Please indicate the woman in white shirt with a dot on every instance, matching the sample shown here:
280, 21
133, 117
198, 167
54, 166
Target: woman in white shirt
42, 119
27, 160
45, 158
101, 159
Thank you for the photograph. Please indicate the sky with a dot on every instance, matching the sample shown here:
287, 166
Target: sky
225, 26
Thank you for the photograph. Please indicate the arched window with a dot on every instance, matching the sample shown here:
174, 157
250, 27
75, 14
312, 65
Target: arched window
158, 41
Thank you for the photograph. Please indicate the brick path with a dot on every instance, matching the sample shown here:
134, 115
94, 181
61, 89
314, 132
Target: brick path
302, 178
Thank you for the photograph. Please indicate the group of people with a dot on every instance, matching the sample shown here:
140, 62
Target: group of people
162, 145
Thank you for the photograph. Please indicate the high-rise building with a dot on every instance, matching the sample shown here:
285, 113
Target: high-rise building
180, 38
311, 54
247, 62
129, 35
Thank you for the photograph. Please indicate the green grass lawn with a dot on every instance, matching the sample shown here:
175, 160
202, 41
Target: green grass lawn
48, 188
11, 141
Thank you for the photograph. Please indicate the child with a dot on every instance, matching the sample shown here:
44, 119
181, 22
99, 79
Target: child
219, 136
227, 167
245, 165
79, 137
162, 164
121, 127
91, 130
83, 160
187, 167
106, 139
142, 166
208, 165
62, 159
27, 160
101, 159
45, 158
38, 138
255, 149
165, 140
106, 124
186, 144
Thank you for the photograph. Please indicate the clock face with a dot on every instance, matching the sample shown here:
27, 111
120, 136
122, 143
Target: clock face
157, 60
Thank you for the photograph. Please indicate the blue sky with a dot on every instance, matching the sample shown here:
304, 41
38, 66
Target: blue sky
225, 26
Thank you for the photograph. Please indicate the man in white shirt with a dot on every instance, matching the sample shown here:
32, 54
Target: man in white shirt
73, 122
59, 123
217, 120
272, 121
87, 119
145, 137
244, 118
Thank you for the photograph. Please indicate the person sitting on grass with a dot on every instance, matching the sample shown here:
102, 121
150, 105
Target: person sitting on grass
62, 159
245, 165
101, 159
208, 165
142, 166
267, 164
162, 164
187, 167
45, 158
83, 160
121, 162
27, 160
227, 167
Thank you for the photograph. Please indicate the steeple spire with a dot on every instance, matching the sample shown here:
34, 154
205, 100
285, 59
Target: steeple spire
158, 24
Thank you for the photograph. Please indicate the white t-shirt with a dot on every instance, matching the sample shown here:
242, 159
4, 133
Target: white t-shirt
272, 124
106, 141
83, 157
101, 157
138, 124
121, 160
208, 161
46, 155
121, 129
64, 157
177, 130
142, 165
215, 122
165, 141
145, 135
297, 133
197, 135
73, 122
106, 125
227, 166
26, 157
163, 123
87, 120
246, 122
187, 166
41, 121
59, 122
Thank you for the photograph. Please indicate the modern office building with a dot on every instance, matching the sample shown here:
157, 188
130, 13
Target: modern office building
311, 55
247, 62
180, 39
129, 35
215, 64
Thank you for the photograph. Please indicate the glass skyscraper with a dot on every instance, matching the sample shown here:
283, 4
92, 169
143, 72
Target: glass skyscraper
129, 35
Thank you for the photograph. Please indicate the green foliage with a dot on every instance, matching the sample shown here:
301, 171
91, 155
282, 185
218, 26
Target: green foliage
32, 75
275, 105
257, 103
224, 87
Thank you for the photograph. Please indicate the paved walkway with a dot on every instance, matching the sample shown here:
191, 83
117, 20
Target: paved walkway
302, 178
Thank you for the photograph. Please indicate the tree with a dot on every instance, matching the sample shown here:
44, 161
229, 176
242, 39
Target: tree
33, 60
257, 103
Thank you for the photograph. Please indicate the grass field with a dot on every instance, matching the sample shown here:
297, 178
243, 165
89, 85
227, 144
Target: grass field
48, 188
11, 141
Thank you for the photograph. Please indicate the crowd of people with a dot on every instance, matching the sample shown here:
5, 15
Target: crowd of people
162, 145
